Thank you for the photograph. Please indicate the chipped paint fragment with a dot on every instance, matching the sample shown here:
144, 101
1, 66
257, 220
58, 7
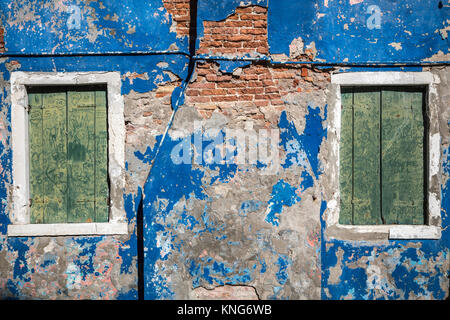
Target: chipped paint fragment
396, 45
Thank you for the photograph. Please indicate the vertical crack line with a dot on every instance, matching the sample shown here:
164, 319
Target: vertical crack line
192, 28
184, 84
140, 249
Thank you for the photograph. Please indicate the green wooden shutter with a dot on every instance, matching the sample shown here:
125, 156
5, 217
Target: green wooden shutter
36, 157
366, 163
402, 157
346, 159
68, 157
81, 156
53, 155
101, 164
382, 172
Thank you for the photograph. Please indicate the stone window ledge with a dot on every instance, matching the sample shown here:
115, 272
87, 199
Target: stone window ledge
67, 229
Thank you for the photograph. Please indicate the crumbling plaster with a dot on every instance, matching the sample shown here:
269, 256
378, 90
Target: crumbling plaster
218, 230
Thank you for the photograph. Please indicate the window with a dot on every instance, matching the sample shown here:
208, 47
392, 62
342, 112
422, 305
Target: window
384, 132
68, 154
382, 155
67, 137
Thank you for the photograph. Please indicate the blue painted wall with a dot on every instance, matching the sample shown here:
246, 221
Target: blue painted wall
186, 243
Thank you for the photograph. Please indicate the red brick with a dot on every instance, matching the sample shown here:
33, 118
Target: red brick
261, 103
277, 102
253, 17
262, 97
240, 38
260, 24
244, 10
216, 51
182, 18
249, 77
224, 30
268, 83
202, 50
191, 92
260, 37
223, 98
215, 92
230, 84
251, 90
304, 72
204, 72
270, 89
182, 5
199, 99
215, 44
283, 75
257, 9
228, 44
274, 96
253, 31
254, 84
230, 23
202, 85
212, 77
245, 97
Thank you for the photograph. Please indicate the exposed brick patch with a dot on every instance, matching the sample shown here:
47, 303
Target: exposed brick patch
2, 41
244, 32
179, 9
257, 91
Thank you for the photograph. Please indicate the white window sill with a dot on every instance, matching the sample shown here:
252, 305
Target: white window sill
383, 232
67, 229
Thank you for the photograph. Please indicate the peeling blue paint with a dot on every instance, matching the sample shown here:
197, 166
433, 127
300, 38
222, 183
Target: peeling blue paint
341, 30
20, 263
409, 31
249, 206
229, 66
283, 194
283, 263
135, 25
303, 149
217, 273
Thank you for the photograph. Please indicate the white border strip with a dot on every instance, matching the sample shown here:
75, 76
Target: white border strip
67, 229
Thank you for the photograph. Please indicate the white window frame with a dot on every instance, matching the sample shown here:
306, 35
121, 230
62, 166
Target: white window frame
20, 211
432, 230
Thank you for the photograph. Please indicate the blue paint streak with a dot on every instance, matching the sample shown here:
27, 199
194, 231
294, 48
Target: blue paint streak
229, 66
250, 206
217, 272
283, 263
307, 181
309, 141
283, 194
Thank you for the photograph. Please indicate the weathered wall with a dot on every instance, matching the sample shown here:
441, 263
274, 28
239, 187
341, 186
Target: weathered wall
218, 230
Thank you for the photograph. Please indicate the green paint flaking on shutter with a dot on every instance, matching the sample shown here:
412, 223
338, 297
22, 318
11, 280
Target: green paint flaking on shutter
402, 157
36, 158
366, 163
382, 156
101, 167
346, 161
54, 157
81, 156
68, 156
